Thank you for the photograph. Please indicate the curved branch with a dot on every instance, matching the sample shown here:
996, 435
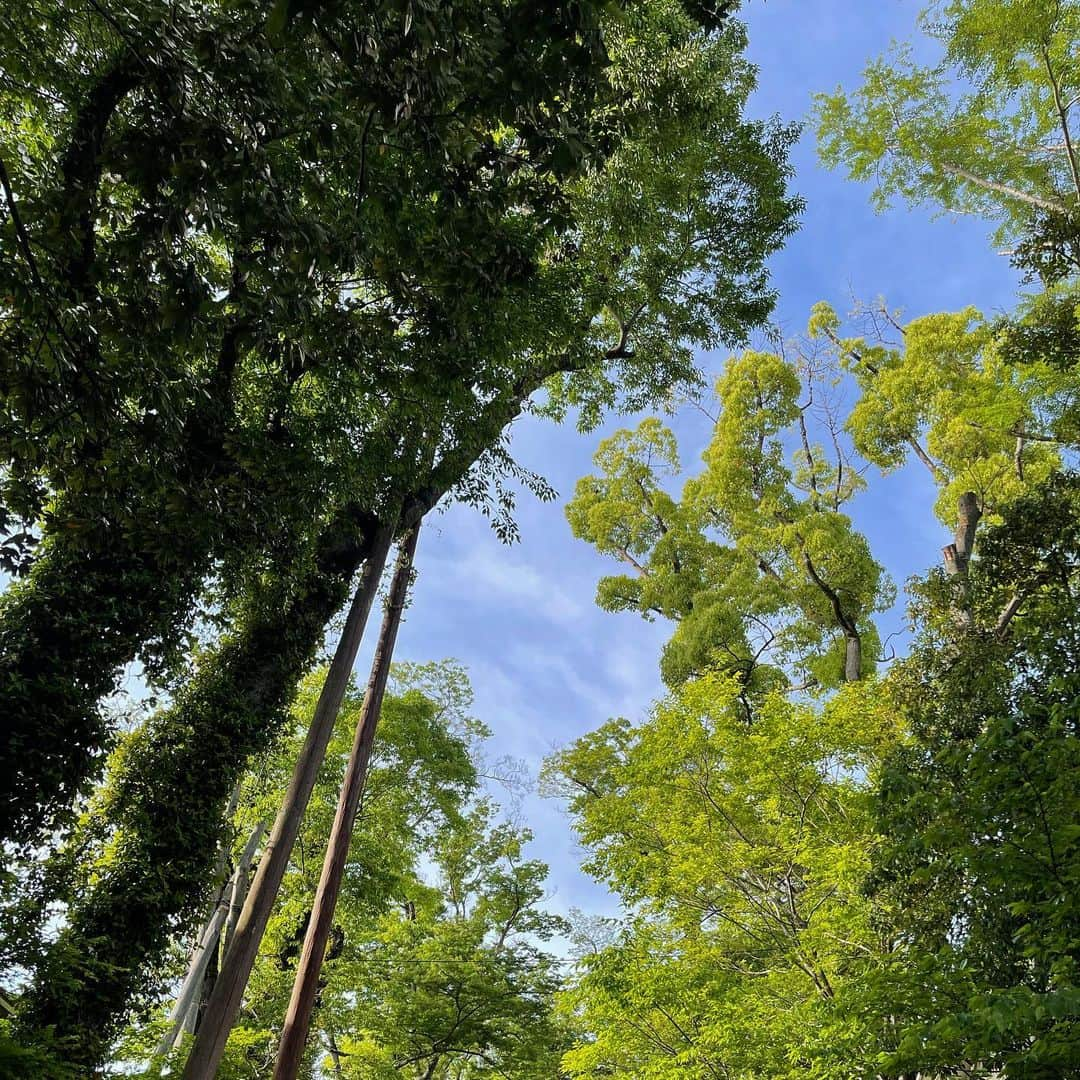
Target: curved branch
80, 165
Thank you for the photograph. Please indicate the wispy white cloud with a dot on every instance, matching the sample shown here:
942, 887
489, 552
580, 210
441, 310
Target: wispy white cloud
501, 578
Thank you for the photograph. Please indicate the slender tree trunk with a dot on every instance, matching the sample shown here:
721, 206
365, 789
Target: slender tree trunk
298, 1017
213, 966
1063, 119
241, 881
228, 992
844, 622
180, 1020
186, 1004
193, 981
335, 1053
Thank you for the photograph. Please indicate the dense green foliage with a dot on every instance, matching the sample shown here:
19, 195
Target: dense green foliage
986, 130
758, 563
320, 390
979, 812
276, 280
284, 264
877, 881
212, 304
436, 958
740, 852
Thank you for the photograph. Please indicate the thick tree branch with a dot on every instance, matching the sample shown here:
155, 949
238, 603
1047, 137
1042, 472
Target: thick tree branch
958, 553
1063, 119
81, 166
853, 651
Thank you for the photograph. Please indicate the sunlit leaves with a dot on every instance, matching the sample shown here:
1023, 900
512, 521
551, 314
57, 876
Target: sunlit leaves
740, 851
984, 130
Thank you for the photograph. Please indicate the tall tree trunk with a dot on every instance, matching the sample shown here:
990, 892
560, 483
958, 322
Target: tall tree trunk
209, 978
230, 709
186, 1005
844, 621
298, 1016
165, 842
335, 1053
228, 992
92, 597
241, 882
197, 968
957, 556
193, 981
958, 553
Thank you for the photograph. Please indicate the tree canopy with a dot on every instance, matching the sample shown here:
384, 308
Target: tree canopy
277, 281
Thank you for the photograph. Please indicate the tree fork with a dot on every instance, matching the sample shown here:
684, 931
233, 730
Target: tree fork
305, 987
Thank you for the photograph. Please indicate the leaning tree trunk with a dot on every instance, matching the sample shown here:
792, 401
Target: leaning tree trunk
845, 622
187, 998
241, 884
305, 987
94, 595
957, 555
165, 841
228, 990
229, 710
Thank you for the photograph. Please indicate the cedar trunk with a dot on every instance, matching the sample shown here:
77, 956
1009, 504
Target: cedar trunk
298, 1017
228, 991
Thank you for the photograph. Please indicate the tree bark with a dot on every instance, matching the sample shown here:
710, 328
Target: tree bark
852, 658
958, 553
852, 638
957, 556
1063, 119
208, 941
228, 991
240, 887
193, 981
305, 987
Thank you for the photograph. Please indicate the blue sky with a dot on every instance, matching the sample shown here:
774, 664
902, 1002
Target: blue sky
545, 663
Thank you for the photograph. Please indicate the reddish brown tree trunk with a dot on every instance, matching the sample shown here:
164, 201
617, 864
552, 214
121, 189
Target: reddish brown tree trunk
224, 1003
298, 1017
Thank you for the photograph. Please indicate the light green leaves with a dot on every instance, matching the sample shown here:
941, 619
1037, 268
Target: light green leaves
756, 563
739, 851
987, 130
